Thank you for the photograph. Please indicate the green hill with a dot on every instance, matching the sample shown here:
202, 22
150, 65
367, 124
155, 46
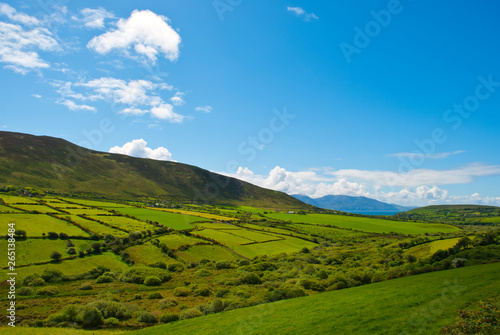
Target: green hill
419, 304
49, 163
455, 214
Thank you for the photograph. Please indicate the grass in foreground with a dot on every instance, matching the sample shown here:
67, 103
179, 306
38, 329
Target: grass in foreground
419, 304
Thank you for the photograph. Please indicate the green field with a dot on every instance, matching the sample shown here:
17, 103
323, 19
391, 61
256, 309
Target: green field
172, 220
224, 237
147, 254
333, 234
288, 245
428, 249
365, 224
123, 222
211, 252
5, 209
9, 199
38, 224
419, 304
87, 211
173, 241
94, 203
96, 227
39, 208
74, 266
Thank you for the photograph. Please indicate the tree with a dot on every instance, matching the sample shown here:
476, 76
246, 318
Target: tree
96, 246
55, 256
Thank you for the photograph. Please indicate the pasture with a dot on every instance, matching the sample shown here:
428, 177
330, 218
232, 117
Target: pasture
428, 249
40, 224
365, 224
172, 220
123, 222
95, 227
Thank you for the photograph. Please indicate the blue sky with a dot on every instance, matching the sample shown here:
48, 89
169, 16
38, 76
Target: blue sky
394, 100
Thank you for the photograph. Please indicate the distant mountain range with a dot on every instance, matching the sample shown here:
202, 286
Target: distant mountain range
347, 203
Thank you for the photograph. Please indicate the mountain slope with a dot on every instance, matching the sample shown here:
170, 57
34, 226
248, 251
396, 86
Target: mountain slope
54, 164
348, 204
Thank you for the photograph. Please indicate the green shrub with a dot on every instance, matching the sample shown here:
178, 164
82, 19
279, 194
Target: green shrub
202, 291
221, 293
219, 265
113, 322
155, 295
33, 280
182, 291
485, 319
112, 309
175, 267
51, 275
146, 317
159, 264
152, 281
169, 302
104, 279
169, 317
89, 317
190, 313
137, 274
251, 279
25, 291
49, 290
203, 273
215, 306
244, 262
86, 286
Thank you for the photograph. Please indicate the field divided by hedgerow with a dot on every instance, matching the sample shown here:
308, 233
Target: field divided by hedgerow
365, 224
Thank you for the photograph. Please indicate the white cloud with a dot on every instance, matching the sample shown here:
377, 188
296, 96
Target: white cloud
133, 111
144, 32
15, 16
413, 155
320, 182
418, 177
205, 109
19, 47
166, 112
38, 96
139, 148
177, 99
94, 18
302, 13
74, 106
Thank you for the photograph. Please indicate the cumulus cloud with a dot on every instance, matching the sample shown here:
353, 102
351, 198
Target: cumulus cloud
139, 148
177, 99
204, 109
13, 15
302, 13
94, 18
143, 33
320, 182
413, 155
19, 47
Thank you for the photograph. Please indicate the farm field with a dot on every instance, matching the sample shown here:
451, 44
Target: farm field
94, 203
5, 209
123, 222
330, 233
10, 199
96, 227
75, 266
412, 305
34, 250
38, 224
87, 211
174, 221
174, 241
39, 208
147, 254
428, 249
199, 214
213, 253
365, 224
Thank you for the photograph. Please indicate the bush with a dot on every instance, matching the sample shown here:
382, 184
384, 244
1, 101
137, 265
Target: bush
202, 291
49, 290
55, 256
251, 279
146, 317
152, 281
159, 264
155, 295
221, 293
219, 265
458, 262
182, 291
113, 322
86, 286
169, 302
104, 279
176, 267
169, 317
52, 276
190, 313
483, 320
111, 309
137, 274
215, 306
203, 273
25, 291
90, 317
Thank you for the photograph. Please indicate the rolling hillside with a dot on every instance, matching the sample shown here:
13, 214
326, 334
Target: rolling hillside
349, 204
54, 164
